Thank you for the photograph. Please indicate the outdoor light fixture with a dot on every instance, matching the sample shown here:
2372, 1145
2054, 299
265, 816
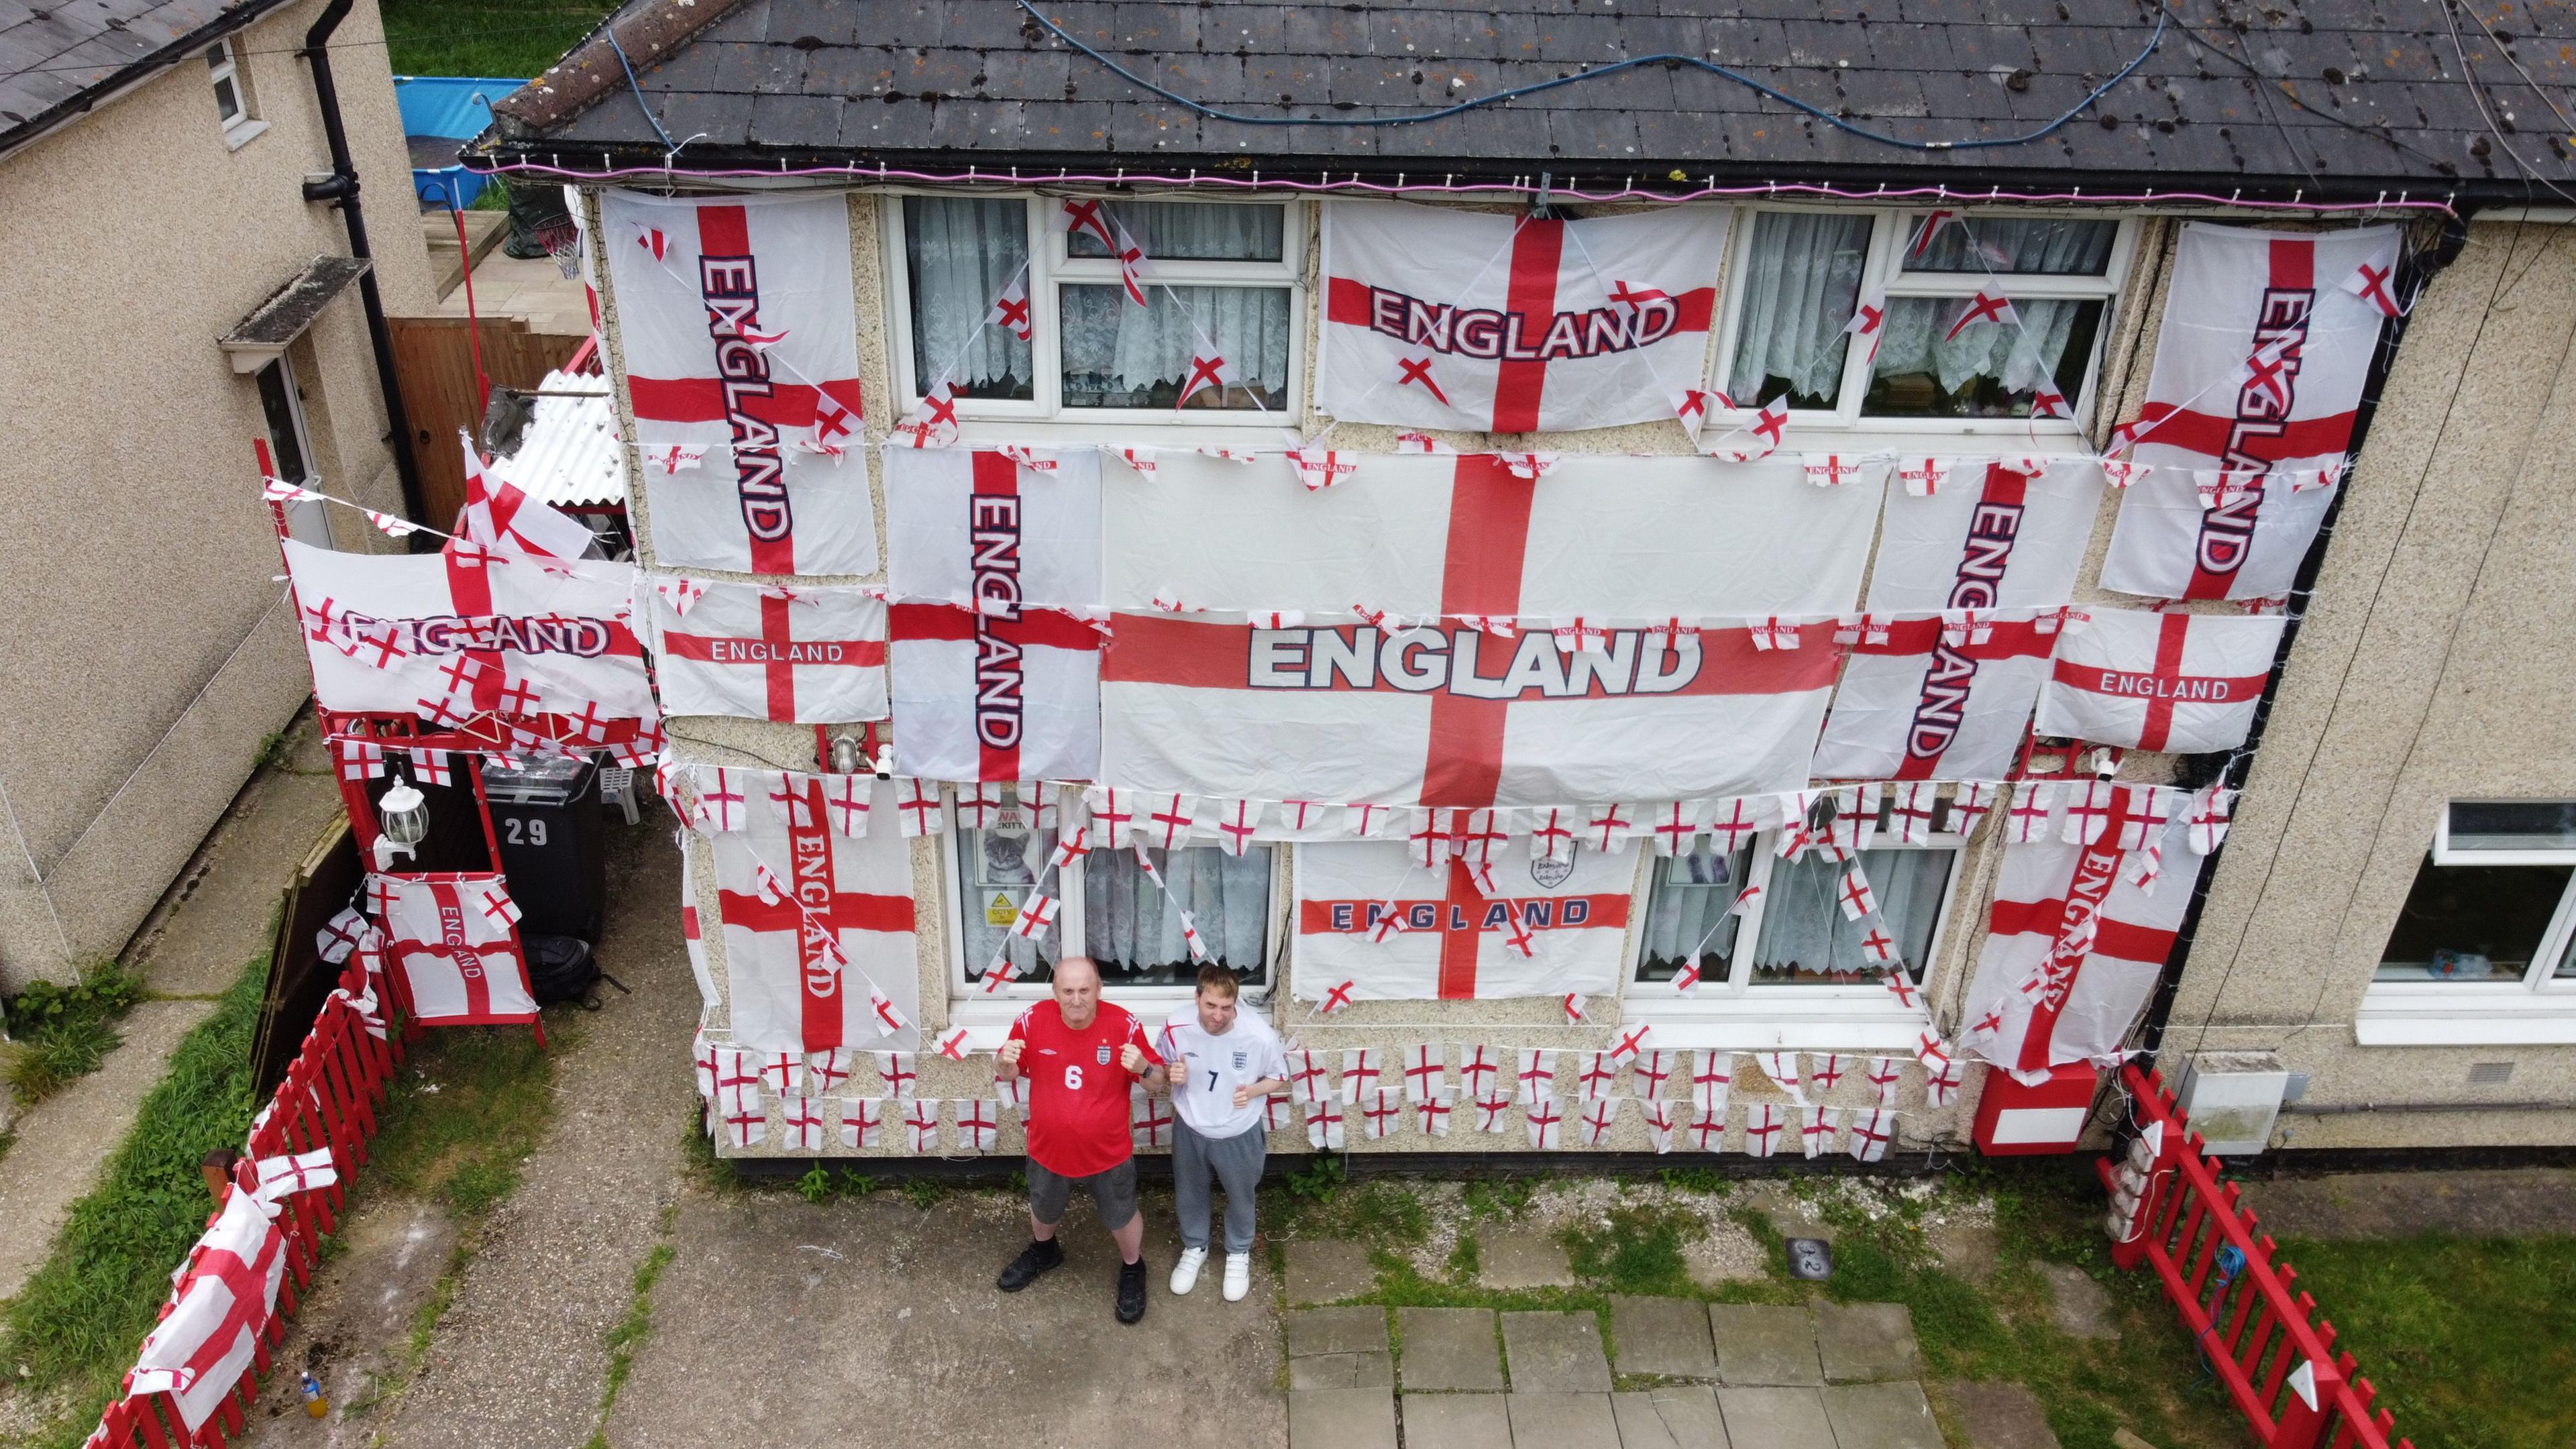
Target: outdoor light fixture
845, 754
402, 820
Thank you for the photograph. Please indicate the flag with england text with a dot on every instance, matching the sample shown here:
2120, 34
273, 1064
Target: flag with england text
1000, 696
2181, 682
818, 926
2260, 364
977, 527
755, 651
814, 517
1440, 318
452, 940
1457, 942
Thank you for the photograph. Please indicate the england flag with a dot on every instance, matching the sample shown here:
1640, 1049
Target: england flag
453, 941
2180, 682
757, 651
1011, 694
219, 1310
1439, 318
818, 927
790, 513
1921, 700
978, 527
1545, 928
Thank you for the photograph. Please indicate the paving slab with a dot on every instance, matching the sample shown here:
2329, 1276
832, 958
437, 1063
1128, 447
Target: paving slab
1555, 1353
1664, 1336
1330, 1419
1328, 1271
1342, 1371
1522, 1260
1449, 1349
1563, 1421
1881, 1416
1864, 1343
1676, 1416
1999, 1415
1457, 1421
2080, 1307
1765, 1345
1336, 1330
1776, 1418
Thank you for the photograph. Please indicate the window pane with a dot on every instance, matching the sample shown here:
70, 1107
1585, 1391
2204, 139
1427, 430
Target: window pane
2472, 922
997, 869
1686, 914
1989, 370
1801, 282
1183, 232
1132, 927
1120, 355
2513, 825
284, 438
227, 104
1807, 942
959, 255
2031, 245
217, 56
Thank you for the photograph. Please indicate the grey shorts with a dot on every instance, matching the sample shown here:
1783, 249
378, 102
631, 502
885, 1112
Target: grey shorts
1113, 1192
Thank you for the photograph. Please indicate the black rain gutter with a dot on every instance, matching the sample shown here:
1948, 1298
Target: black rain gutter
135, 72
341, 189
2416, 271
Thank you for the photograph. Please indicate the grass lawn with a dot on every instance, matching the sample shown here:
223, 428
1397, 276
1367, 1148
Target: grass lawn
512, 38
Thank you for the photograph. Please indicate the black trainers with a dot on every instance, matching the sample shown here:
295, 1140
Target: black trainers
1131, 1291
1034, 1262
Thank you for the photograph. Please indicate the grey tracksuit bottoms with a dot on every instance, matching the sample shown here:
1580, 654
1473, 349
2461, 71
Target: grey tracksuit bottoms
1235, 1162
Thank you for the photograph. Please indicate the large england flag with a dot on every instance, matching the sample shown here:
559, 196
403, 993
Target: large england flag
2267, 338
818, 924
1445, 715
791, 513
1921, 700
1990, 537
1632, 540
2181, 682
735, 319
978, 524
218, 1311
2073, 946
452, 937
466, 632
758, 651
1570, 913
1510, 324
1010, 694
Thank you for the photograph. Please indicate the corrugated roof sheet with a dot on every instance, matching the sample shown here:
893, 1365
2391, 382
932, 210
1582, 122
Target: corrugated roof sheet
568, 455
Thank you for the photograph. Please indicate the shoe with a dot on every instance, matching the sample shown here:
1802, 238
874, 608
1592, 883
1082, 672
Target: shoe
1185, 1273
1131, 1291
1034, 1262
1238, 1276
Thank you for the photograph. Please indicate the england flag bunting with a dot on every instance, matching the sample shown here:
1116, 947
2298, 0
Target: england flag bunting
1549, 928
469, 632
2073, 949
823, 959
1510, 324
791, 513
499, 515
452, 941
2259, 369
806, 655
736, 320
219, 1308
2159, 682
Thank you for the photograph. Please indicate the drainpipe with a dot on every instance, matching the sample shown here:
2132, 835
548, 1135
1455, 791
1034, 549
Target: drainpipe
341, 188
2424, 266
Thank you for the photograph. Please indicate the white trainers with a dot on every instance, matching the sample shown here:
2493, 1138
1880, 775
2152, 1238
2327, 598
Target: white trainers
1185, 1273
1238, 1276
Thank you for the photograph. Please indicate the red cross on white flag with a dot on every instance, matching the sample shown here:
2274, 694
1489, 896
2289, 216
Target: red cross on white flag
1942, 1086
1596, 1075
2207, 812
1320, 468
1535, 1078
1307, 1079
979, 1124
808, 655
917, 808
222, 1302
1336, 997
1908, 997
1010, 310
1274, 1113
1324, 1129
828, 1070
1494, 1112
1712, 1073
1167, 825
1885, 1073
1659, 1123
1574, 1002
2181, 682
1855, 896
933, 422
1764, 1123
358, 759
458, 964
339, 936
1544, 1121
1380, 1111
1817, 1127
801, 1123
810, 969
1708, 1130
1631, 1041
1426, 1069
1479, 1069
498, 515
1872, 1131
1359, 1073
1208, 369
1987, 306
1036, 914
1782, 1069
1431, 1114
1828, 1073
1237, 821
1869, 315
953, 1044
1763, 432
781, 1073
921, 1125
2034, 802
1597, 1115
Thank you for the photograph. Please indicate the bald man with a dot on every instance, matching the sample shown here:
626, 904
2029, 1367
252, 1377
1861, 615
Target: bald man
1080, 1055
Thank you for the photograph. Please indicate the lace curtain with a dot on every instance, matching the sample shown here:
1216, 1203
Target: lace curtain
1686, 912
1133, 927
1120, 355
1805, 938
2029, 245
1194, 232
1802, 280
959, 253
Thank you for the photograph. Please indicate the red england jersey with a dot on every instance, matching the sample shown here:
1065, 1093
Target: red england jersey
1078, 1112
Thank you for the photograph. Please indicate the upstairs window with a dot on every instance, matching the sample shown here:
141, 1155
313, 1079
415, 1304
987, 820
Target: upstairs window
232, 92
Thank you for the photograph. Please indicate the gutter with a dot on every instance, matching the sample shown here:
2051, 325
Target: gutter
136, 72
341, 188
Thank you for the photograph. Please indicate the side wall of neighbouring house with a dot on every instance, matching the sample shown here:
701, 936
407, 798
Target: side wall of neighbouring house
149, 650
2437, 662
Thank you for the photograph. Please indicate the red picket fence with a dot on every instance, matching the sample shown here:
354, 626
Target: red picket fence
2235, 1295
329, 1099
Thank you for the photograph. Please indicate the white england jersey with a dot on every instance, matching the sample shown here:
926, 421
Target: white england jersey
1213, 1066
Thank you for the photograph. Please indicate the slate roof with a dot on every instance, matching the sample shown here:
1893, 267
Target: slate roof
2342, 96
60, 57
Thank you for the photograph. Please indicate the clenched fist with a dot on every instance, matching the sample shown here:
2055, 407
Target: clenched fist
1009, 1055
1131, 1058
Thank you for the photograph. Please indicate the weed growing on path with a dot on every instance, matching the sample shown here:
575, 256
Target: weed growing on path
64, 1032
628, 1336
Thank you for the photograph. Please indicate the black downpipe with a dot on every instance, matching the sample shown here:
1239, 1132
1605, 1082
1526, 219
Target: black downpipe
2415, 273
341, 188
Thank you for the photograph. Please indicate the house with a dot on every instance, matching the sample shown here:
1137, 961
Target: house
2233, 339
186, 288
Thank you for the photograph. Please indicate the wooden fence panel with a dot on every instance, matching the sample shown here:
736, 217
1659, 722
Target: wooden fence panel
434, 364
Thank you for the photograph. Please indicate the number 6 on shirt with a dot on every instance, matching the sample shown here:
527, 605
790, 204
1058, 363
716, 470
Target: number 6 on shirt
1073, 1078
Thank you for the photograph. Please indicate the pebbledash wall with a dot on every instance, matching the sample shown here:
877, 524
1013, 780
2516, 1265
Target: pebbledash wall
2437, 664
148, 651
2456, 358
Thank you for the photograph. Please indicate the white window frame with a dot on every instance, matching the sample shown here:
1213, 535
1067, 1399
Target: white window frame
1890, 230
244, 123
1050, 266
308, 520
2538, 1010
965, 984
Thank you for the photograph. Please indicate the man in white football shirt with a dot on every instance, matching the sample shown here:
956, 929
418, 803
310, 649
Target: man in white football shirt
1224, 1066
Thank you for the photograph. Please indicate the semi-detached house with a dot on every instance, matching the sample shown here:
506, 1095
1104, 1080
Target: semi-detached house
1759, 540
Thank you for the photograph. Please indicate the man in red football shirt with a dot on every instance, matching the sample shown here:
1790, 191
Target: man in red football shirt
1080, 1054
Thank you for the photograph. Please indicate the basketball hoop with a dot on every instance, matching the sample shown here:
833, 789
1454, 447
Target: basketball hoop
563, 243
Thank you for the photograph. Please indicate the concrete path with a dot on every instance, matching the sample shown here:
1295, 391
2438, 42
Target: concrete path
214, 920
2494, 1202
